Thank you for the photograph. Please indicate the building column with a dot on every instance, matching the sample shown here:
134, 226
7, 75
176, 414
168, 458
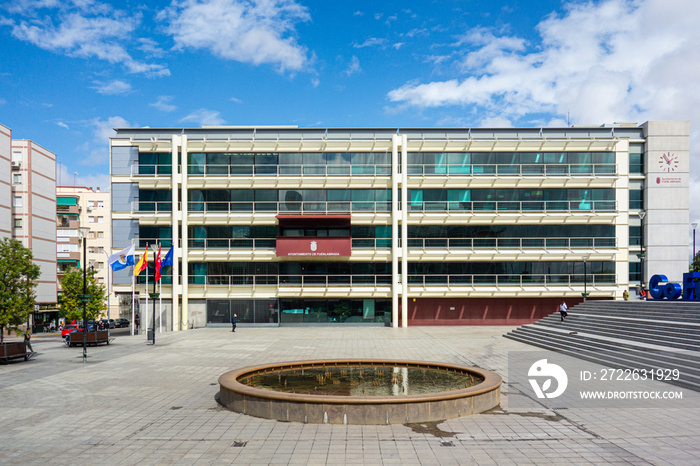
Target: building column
395, 213
185, 235
404, 230
176, 180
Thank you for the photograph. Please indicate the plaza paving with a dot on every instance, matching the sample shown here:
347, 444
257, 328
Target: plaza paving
133, 403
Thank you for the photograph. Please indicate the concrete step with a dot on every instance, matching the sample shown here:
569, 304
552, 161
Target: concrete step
646, 354
647, 334
563, 345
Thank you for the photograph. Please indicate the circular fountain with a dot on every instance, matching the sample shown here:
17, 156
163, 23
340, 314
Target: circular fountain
360, 391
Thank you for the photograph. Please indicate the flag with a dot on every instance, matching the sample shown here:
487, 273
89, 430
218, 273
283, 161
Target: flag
143, 263
168, 259
122, 259
158, 265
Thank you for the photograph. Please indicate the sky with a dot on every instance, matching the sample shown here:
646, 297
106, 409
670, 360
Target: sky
71, 71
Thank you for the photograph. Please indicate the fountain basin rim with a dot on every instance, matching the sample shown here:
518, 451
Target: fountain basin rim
229, 380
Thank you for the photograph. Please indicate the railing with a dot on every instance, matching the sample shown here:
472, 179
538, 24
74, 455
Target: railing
592, 279
379, 206
511, 206
513, 279
554, 169
158, 207
288, 170
151, 170
232, 243
511, 243
379, 170
300, 280
290, 206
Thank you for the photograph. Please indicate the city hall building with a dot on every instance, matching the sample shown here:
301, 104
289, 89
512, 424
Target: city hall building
397, 226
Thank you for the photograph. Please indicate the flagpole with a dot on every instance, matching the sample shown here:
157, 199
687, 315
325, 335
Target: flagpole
146, 313
133, 296
160, 305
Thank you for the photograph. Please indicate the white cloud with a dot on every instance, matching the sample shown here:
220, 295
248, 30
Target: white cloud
257, 31
398, 45
236, 100
371, 42
62, 125
81, 29
358, 13
353, 67
315, 82
606, 61
602, 62
204, 117
113, 87
164, 104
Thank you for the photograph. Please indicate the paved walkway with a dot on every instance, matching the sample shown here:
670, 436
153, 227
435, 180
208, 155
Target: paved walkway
138, 404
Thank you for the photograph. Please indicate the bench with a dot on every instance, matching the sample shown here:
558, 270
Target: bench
92, 338
15, 350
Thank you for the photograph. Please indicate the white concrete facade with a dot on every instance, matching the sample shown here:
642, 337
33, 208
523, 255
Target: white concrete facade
33, 213
409, 287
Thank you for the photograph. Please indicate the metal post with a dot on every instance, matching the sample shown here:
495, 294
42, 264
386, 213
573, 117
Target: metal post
641, 254
585, 281
84, 298
695, 225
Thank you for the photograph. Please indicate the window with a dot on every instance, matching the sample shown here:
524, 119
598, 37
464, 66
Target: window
18, 223
100, 204
92, 249
91, 235
99, 265
100, 250
92, 219
16, 178
17, 201
100, 234
91, 204
100, 219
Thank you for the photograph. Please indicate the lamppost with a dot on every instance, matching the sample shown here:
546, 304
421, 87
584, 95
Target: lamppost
641, 254
585, 280
695, 225
154, 296
84, 298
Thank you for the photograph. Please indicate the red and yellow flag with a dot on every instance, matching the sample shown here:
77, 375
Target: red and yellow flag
142, 264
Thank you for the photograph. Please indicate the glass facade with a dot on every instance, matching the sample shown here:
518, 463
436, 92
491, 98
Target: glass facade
511, 199
511, 163
286, 311
289, 163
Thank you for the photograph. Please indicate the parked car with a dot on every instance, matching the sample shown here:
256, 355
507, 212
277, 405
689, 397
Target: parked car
108, 323
69, 328
122, 323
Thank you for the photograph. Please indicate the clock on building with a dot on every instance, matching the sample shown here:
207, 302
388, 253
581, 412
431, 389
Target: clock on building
668, 162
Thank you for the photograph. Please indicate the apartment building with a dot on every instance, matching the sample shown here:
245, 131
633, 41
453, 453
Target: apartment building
398, 226
33, 206
85, 207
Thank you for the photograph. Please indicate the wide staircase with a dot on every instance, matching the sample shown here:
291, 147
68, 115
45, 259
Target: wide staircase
625, 334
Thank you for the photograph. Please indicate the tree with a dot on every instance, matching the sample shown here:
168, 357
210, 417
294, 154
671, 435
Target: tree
72, 284
17, 281
695, 266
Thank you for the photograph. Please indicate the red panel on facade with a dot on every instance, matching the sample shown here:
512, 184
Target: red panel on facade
313, 246
482, 311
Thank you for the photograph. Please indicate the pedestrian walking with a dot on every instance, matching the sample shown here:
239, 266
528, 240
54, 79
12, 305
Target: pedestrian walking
28, 341
234, 318
563, 310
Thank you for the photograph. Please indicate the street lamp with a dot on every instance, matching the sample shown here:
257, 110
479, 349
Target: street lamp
641, 254
585, 280
82, 233
695, 225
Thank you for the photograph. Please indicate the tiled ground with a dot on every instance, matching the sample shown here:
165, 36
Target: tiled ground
133, 403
